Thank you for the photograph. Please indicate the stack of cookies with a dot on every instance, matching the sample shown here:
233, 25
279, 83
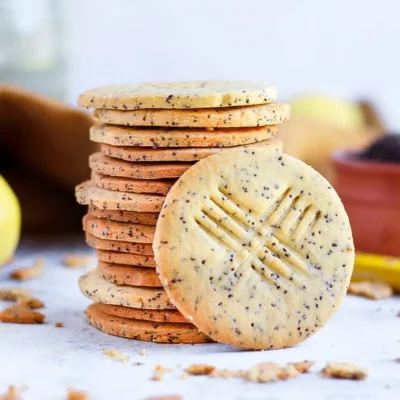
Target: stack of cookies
149, 136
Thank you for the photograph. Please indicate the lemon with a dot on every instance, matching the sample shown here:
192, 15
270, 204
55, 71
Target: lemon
10, 221
341, 113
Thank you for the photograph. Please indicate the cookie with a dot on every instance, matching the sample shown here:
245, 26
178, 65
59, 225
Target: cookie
159, 332
179, 137
152, 186
236, 117
113, 246
133, 217
255, 248
119, 231
116, 257
145, 315
110, 166
98, 289
129, 275
88, 194
187, 154
191, 94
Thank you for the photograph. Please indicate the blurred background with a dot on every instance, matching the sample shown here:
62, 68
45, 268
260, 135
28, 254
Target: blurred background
336, 62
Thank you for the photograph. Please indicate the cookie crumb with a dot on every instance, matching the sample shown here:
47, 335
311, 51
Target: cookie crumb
159, 372
303, 366
21, 314
290, 371
35, 271
264, 372
200, 369
59, 325
31, 303
344, 371
228, 373
73, 394
371, 290
143, 352
14, 294
116, 355
12, 394
78, 260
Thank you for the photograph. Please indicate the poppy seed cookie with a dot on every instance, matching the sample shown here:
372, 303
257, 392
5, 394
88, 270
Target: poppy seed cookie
96, 288
255, 248
190, 94
179, 137
102, 164
235, 117
129, 275
159, 332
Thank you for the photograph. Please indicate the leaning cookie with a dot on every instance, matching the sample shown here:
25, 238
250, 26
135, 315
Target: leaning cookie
255, 248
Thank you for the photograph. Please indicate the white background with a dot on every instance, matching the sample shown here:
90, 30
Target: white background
347, 48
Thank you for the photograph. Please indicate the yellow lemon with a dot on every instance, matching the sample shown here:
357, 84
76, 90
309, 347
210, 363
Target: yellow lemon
10, 221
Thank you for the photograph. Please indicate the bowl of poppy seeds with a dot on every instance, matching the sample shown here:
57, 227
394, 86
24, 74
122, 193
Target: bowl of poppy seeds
368, 183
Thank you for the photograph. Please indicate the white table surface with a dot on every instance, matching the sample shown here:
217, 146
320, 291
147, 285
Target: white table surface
49, 360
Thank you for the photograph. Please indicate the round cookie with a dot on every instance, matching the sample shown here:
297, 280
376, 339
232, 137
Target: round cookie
88, 194
179, 137
255, 248
119, 231
116, 257
159, 332
138, 250
133, 217
114, 183
113, 167
236, 117
129, 275
186, 154
145, 315
98, 289
191, 94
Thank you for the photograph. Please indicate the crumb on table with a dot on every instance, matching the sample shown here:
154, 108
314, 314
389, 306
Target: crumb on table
116, 355
59, 325
31, 303
371, 290
199, 369
73, 394
21, 314
14, 294
78, 260
35, 271
344, 371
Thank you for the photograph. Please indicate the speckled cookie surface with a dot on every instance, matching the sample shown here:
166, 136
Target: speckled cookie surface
190, 94
119, 231
186, 154
236, 117
129, 275
255, 248
145, 315
150, 186
96, 288
160, 332
179, 137
140, 251
88, 194
98, 162
133, 217
129, 258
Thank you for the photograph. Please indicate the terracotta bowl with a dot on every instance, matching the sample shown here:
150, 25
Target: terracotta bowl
370, 191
